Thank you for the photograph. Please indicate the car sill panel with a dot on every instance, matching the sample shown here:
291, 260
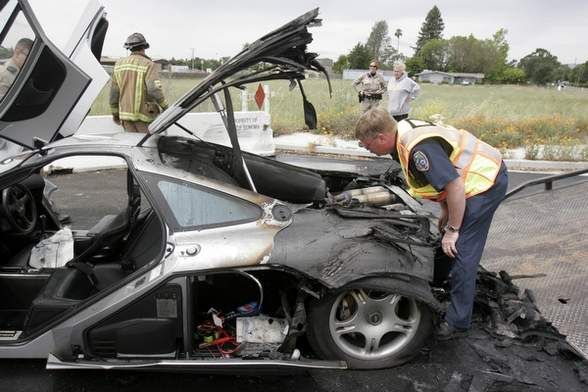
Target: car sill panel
54, 363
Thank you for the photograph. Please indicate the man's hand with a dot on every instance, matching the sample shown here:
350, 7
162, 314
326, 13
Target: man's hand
116, 119
448, 243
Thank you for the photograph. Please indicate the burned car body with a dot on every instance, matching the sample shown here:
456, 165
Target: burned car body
218, 259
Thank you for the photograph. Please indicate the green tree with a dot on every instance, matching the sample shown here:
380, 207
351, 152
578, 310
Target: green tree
511, 75
414, 65
341, 64
434, 55
579, 74
469, 54
379, 43
432, 28
495, 55
209, 63
563, 72
359, 57
540, 66
398, 34
464, 54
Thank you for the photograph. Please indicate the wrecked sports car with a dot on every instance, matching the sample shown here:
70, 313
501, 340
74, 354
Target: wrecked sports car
217, 258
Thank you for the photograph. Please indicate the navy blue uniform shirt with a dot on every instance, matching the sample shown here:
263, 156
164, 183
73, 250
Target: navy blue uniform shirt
429, 164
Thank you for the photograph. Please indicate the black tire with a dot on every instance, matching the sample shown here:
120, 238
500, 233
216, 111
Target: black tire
326, 346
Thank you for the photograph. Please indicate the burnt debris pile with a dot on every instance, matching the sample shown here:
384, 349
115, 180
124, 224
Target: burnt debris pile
511, 346
505, 312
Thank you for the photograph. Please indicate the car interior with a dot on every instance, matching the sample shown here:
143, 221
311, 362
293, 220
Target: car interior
271, 178
46, 268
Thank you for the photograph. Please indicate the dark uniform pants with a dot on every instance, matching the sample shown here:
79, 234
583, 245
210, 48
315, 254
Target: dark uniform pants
470, 246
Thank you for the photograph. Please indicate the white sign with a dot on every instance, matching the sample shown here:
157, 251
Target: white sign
253, 129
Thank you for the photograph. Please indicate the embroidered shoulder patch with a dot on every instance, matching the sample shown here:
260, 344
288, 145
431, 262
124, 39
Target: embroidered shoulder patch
421, 161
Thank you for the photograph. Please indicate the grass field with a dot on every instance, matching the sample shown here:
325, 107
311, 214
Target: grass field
504, 116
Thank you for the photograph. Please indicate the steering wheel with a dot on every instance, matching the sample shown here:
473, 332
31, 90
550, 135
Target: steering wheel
19, 208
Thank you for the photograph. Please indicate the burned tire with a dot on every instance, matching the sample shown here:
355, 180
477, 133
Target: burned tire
372, 324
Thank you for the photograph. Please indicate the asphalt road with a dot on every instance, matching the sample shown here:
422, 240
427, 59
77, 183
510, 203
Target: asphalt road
440, 366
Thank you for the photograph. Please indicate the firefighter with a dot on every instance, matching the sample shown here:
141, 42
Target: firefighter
465, 175
136, 96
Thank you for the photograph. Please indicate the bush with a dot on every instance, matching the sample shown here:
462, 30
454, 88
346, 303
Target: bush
512, 75
529, 133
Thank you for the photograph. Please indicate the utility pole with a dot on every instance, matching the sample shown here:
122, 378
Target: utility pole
192, 67
577, 72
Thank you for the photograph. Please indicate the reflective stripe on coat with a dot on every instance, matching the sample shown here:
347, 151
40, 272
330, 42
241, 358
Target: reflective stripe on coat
136, 93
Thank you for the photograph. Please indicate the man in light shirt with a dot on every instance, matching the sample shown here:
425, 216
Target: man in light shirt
402, 90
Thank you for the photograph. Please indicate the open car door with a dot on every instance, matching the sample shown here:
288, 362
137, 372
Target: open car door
44, 93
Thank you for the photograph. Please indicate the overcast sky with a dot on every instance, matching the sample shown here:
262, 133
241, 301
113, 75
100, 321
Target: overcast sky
221, 27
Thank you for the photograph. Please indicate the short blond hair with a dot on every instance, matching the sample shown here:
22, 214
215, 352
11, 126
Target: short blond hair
400, 65
373, 122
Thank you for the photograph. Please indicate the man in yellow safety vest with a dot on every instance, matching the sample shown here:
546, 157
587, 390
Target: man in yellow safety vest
464, 174
136, 95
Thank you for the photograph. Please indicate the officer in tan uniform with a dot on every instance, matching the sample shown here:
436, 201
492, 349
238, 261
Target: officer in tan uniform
370, 86
136, 96
9, 70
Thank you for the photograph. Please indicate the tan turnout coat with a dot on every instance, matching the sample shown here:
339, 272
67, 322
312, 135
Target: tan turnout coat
136, 93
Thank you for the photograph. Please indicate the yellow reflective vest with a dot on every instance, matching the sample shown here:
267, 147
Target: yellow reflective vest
136, 93
476, 162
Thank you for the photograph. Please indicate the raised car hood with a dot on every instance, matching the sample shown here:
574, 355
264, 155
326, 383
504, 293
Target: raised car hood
54, 90
280, 54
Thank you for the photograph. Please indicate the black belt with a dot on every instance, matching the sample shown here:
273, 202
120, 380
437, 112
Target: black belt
374, 96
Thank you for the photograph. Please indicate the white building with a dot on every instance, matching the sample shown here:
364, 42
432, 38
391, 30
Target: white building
179, 68
437, 77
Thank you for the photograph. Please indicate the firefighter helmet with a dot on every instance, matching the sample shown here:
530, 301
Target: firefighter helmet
134, 40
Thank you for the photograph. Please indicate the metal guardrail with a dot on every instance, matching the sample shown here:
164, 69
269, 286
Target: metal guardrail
548, 181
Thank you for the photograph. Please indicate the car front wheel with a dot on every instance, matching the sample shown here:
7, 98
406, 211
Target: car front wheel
371, 324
